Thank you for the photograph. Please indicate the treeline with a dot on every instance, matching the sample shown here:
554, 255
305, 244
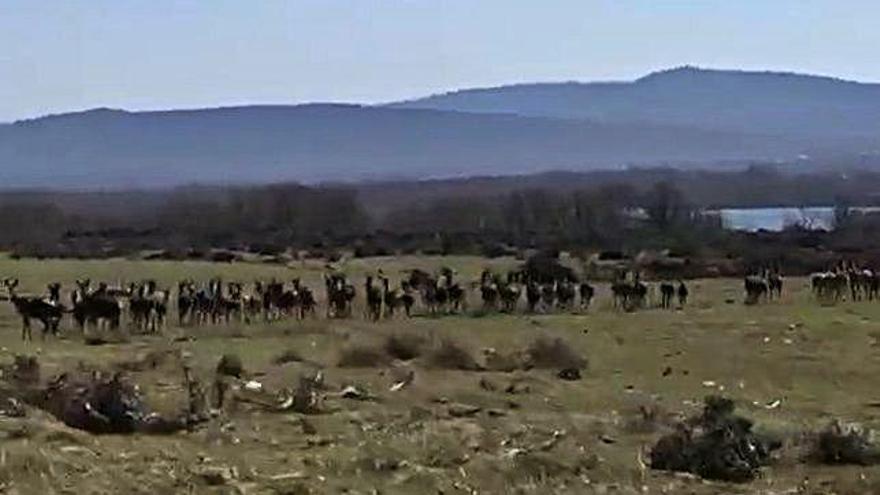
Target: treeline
758, 185
278, 218
624, 211
609, 217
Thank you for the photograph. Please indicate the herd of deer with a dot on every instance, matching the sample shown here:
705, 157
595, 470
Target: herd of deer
833, 285
146, 306
763, 285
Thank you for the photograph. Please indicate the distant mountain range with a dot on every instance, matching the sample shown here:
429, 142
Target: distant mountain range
679, 117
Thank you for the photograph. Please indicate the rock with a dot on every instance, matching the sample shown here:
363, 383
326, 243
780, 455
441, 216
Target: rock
215, 475
319, 441
307, 427
487, 385
352, 392
458, 410
253, 386
401, 377
496, 413
517, 388
569, 374
12, 408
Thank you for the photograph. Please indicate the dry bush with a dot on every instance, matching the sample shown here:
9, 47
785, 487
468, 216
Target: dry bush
506, 363
405, 346
451, 356
716, 445
556, 353
363, 356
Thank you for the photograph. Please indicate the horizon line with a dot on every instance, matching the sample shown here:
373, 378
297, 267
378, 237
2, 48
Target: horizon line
476, 88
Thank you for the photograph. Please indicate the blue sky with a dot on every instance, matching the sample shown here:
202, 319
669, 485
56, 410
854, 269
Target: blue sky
63, 55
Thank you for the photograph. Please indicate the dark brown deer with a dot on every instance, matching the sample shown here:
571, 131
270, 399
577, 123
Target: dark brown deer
186, 302
374, 299
340, 295
682, 294
94, 307
667, 293
390, 298
407, 298
305, 299
587, 292
48, 313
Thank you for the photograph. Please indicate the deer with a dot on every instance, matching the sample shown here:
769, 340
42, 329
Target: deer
47, 312
94, 307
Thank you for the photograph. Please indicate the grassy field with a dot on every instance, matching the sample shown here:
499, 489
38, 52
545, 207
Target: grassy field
534, 433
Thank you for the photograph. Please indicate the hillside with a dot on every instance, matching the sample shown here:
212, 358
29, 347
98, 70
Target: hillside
311, 143
754, 102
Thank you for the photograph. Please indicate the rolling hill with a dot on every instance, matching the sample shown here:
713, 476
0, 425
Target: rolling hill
327, 142
776, 103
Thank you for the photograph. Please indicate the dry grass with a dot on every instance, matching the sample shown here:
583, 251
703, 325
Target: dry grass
363, 356
789, 364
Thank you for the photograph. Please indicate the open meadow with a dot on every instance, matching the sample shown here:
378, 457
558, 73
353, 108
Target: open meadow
422, 426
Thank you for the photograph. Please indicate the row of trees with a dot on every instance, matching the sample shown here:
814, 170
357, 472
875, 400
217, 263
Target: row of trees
281, 216
479, 215
609, 217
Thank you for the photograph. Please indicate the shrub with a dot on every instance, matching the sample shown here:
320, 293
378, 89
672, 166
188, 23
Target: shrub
842, 443
404, 346
451, 356
716, 445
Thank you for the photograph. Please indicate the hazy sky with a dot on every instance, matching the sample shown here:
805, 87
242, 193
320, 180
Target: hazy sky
61, 55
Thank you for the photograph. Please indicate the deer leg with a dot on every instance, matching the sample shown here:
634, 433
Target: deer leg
25, 328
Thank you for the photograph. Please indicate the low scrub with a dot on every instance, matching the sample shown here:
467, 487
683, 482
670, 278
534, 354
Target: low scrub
451, 356
556, 353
